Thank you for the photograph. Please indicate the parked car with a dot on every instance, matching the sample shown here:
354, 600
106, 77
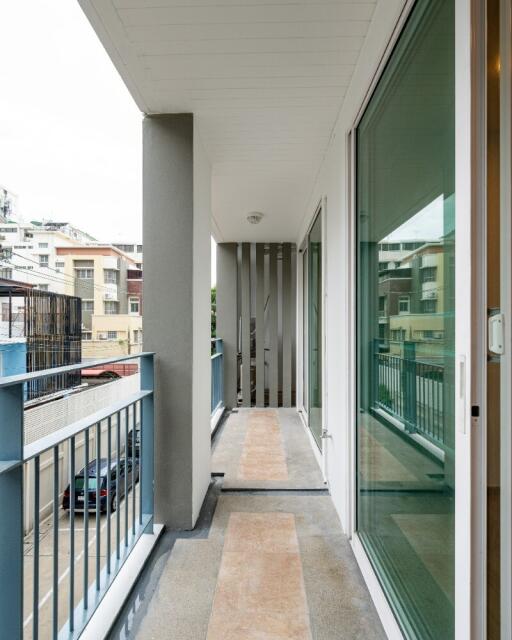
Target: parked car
94, 484
137, 442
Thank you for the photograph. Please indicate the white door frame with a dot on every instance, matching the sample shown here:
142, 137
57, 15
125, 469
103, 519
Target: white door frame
469, 513
506, 309
320, 451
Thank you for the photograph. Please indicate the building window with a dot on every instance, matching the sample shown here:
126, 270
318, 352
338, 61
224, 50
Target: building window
85, 274
110, 276
429, 306
88, 306
127, 248
8, 230
87, 335
134, 306
6, 273
60, 264
429, 334
111, 307
42, 287
429, 274
111, 335
398, 335
404, 304
43, 260
137, 336
43, 245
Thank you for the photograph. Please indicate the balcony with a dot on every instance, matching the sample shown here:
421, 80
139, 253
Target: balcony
267, 532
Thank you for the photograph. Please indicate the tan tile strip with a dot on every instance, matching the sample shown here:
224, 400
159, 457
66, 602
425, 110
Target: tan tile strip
263, 457
260, 591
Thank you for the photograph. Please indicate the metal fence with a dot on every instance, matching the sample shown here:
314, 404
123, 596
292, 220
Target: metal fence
123, 528
217, 393
412, 392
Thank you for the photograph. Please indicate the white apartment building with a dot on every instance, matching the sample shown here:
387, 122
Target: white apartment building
29, 252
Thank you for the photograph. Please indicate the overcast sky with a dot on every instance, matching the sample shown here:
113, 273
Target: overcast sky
70, 133
427, 224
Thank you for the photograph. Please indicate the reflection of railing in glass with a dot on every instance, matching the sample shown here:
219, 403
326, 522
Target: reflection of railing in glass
412, 392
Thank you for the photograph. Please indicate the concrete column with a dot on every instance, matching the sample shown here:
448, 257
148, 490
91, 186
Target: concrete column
227, 323
176, 231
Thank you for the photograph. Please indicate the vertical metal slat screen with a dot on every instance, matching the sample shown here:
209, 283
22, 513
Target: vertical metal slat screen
266, 324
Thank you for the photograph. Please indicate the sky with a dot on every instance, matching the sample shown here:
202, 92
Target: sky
70, 133
427, 224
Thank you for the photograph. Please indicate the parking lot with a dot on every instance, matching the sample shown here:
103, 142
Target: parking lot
122, 518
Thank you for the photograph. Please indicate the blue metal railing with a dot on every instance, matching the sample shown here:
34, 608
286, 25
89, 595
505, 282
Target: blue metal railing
217, 394
412, 392
109, 557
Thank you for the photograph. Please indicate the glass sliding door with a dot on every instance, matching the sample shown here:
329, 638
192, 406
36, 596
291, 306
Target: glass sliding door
312, 328
315, 328
305, 333
406, 325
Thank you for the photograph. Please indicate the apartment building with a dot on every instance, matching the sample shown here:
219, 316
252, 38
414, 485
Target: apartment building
109, 284
412, 291
133, 249
29, 251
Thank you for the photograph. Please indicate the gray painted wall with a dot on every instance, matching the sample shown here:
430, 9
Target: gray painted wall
227, 316
169, 326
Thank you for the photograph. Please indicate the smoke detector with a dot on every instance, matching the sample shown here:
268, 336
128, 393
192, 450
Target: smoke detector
254, 217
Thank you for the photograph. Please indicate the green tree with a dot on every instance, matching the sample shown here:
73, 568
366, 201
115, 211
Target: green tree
214, 312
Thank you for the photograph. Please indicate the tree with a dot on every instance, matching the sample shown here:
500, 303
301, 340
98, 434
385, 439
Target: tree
214, 312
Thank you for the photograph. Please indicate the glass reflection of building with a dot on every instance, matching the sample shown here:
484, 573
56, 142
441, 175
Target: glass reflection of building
412, 297
405, 329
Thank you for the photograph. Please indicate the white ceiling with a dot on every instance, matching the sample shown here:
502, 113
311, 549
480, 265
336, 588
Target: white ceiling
265, 80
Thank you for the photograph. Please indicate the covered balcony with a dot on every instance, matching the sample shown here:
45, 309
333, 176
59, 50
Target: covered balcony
293, 475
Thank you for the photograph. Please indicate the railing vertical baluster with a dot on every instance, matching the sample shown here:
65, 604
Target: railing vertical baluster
98, 505
134, 440
436, 407
429, 402
109, 481
421, 412
146, 454
71, 533
35, 577
140, 467
126, 500
11, 522
86, 519
55, 584
220, 347
118, 471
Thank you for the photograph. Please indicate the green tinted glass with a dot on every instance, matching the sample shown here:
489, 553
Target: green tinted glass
406, 330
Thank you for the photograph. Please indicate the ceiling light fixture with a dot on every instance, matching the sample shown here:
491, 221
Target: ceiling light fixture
254, 217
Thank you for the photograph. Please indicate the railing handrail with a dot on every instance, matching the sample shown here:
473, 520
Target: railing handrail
9, 381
